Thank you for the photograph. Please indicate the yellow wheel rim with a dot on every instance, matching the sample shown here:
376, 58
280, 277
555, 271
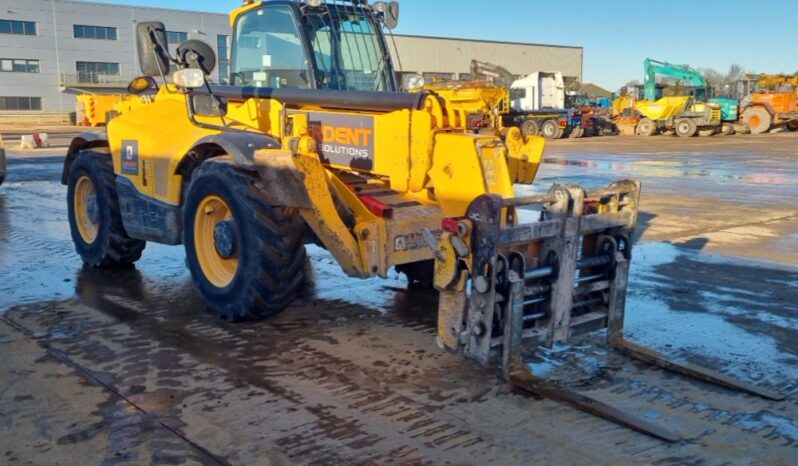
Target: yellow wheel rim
86, 209
219, 270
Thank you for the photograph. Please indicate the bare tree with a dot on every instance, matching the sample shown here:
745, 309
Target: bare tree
723, 84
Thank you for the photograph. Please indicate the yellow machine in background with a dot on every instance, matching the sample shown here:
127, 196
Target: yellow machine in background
325, 150
774, 82
679, 114
92, 109
662, 109
96, 109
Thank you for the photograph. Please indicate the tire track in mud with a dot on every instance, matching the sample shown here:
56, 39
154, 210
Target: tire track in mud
348, 415
300, 440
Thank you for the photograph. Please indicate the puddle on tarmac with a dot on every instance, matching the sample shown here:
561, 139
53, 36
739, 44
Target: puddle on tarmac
685, 313
739, 314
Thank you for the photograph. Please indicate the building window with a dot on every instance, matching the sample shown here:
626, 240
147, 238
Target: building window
23, 28
20, 103
17, 65
93, 71
94, 32
224, 58
175, 37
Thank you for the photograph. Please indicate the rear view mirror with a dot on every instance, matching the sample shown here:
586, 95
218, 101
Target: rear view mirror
152, 49
388, 13
392, 15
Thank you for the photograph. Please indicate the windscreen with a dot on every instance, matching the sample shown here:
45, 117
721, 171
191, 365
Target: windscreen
270, 48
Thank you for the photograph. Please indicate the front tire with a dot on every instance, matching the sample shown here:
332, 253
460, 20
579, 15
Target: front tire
792, 126
758, 119
246, 257
530, 128
94, 219
686, 128
646, 127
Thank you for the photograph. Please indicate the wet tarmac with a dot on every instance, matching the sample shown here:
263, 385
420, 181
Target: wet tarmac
127, 367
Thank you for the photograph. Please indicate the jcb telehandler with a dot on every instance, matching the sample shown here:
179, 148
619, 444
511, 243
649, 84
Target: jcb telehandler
311, 142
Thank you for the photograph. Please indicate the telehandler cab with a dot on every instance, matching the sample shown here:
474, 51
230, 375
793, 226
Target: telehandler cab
311, 142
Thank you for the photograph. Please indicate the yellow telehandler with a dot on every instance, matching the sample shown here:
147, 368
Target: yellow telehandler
312, 142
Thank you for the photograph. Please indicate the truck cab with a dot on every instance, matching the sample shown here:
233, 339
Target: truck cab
538, 91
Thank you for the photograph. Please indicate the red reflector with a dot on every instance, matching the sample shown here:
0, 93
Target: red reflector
450, 224
376, 207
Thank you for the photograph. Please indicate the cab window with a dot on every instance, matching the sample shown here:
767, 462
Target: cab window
268, 50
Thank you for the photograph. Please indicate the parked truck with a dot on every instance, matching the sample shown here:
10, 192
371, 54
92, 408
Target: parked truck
537, 102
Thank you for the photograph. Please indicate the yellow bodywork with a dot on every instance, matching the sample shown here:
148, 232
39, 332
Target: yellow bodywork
471, 97
419, 155
485, 99
623, 106
424, 163
662, 109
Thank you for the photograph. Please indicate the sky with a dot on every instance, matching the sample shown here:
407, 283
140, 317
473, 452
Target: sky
617, 35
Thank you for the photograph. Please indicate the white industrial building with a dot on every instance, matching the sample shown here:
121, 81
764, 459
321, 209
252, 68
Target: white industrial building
52, 50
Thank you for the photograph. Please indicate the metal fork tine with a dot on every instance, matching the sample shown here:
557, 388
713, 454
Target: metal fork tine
546, 389
650, 356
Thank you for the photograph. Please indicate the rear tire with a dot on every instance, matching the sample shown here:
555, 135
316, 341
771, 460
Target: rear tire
94, 219
791, 127
530, 128
646, 127
686, 127
550, 129
577, 132
704, 133
246, 256
758, 119
727, 129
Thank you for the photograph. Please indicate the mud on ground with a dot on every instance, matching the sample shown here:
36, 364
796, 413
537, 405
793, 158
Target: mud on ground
127, 367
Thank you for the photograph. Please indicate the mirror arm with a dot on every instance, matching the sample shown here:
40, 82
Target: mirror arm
154, 42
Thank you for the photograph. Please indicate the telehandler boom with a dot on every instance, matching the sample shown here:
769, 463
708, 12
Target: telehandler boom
311, 142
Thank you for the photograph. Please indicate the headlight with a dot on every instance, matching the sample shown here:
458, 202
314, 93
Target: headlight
314, 3
189, 78
380, 7
412, 82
